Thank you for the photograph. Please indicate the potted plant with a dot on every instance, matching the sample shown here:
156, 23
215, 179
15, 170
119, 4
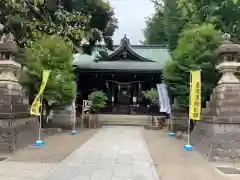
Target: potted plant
152, 96
98, 102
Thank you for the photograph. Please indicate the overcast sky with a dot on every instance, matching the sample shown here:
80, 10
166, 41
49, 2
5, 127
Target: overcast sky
131, 16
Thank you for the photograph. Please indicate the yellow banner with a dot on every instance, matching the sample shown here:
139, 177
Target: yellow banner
35, 108
195, 95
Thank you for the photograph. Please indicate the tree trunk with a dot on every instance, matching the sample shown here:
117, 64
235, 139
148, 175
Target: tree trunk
45, 112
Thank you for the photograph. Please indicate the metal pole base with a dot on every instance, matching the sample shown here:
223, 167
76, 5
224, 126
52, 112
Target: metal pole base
171, 134
74, 132
39, 143
188, 147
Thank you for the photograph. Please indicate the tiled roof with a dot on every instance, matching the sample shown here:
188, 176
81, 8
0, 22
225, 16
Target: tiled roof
156, 53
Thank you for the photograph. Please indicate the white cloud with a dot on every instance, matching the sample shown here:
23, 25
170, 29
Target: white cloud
131, 15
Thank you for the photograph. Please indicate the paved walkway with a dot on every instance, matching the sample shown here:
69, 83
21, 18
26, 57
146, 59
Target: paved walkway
120, 153
24, 170
114, 153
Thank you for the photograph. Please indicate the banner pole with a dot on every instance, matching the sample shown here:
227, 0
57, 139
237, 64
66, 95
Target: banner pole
188, 147
37, 105
171, 121
189, 107
82, 116
39, 142
40, 119
171, 125
74, 132
189, 123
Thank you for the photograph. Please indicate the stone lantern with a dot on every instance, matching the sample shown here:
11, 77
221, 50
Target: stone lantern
13, 103
227, 92
227, 51
217, 134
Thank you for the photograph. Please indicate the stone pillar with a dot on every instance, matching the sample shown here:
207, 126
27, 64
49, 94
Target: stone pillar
13, 102
217, 134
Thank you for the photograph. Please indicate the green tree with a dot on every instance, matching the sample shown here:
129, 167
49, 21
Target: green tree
193, 52
223, 14
50, 52
178, 14
164, 25
173, 23
192, 28
78, 22
98, 99
151, 95
154, 32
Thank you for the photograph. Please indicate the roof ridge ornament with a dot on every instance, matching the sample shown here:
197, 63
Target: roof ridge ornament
125, 39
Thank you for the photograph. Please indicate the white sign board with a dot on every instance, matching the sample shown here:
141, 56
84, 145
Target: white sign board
85, 109
86, 105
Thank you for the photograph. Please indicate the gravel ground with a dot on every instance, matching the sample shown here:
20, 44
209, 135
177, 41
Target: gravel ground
57, 147
172, 162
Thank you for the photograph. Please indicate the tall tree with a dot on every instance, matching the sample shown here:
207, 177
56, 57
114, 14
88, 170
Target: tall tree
193, 52
50, 52
193, 29
179, 13
76, 21
154, 32
173, 23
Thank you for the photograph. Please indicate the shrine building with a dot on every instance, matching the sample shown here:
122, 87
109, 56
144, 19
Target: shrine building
123, 74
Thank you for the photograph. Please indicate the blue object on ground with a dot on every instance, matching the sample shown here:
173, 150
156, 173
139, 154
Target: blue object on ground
39, 143
74, 132
171, 134
188, 147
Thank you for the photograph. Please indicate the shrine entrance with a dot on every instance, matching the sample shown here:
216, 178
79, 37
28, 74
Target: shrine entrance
122, 74
124, 95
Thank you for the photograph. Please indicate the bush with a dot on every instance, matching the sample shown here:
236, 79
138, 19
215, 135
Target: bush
151, 95
194, 51
98, 101
50, 52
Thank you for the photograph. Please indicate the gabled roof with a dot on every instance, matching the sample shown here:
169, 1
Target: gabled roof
126, 57
126, 50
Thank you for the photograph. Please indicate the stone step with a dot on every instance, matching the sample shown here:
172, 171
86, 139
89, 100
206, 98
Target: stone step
138, 120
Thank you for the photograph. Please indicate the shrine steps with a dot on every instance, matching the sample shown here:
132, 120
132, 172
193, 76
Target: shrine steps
124, 120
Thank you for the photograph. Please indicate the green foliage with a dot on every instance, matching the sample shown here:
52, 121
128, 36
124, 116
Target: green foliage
224, 15
98, 101
193, 52
154, 32
173, 23
179, 14
235, 1
151, 95
76, 21
192, 29
51, 52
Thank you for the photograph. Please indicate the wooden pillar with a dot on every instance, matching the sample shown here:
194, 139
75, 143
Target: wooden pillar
134, 91
78, 83
108, 92
113, 90
139, 92
151, 82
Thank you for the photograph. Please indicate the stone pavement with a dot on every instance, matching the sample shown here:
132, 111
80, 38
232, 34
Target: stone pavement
120, 153
114, 153
23, 170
